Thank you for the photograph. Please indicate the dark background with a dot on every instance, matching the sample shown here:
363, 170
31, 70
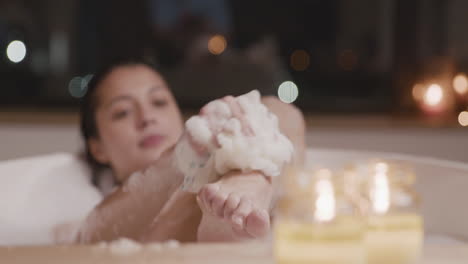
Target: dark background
363, 55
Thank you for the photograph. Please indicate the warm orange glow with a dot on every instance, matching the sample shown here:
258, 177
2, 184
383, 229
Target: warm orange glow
300, 60
418, 92
460, 84
433, 95
217, 44
347, 60
463, 118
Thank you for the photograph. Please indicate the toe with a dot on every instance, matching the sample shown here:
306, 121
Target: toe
241, 212
231, 205
207, 195
257, 223
218, 204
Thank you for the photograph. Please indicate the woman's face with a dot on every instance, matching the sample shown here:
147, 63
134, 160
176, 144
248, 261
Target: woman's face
137, 119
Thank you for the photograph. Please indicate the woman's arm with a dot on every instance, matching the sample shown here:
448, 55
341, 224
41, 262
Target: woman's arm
129, 211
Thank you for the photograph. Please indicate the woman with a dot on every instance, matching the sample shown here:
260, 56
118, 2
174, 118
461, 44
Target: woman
130, 123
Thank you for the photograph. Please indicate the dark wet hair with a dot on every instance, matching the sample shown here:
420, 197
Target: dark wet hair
89, 104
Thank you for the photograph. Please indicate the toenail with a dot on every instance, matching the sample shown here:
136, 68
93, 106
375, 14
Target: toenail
237, 220
264, 214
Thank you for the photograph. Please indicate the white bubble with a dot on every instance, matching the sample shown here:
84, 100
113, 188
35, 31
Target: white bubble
16, 51
124, 247
288, 92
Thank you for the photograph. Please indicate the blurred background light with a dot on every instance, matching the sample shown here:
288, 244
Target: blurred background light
433, 95
16, 51
288, 92
300, 60
460, 84
347, 60
217, 44
78, 86
463, 118
418, 92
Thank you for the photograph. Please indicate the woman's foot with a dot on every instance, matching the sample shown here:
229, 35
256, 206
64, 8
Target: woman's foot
242, 201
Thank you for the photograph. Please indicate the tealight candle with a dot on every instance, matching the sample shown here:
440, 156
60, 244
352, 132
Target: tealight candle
315, 224
336, 242
394, 239
394, 231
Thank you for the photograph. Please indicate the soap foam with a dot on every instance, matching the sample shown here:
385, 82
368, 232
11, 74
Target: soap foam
266, 150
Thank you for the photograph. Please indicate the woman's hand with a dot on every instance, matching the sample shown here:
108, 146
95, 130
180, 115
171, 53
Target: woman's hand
216, 114
210, 112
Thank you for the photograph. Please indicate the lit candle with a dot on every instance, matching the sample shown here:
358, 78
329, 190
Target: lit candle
392, 237
433, 99
316, 231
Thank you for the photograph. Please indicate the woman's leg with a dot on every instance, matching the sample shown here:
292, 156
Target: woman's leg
132, 208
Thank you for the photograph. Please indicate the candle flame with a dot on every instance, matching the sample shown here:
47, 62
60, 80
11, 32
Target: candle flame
460, 84
325, 203
380, 191
434, 95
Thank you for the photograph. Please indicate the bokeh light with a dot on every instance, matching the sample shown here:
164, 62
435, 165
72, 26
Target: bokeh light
16, 51
217, 44
288, 92
78, 86
418, 92
300, 60
347, 60
463, 118
460, 84
433, 95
